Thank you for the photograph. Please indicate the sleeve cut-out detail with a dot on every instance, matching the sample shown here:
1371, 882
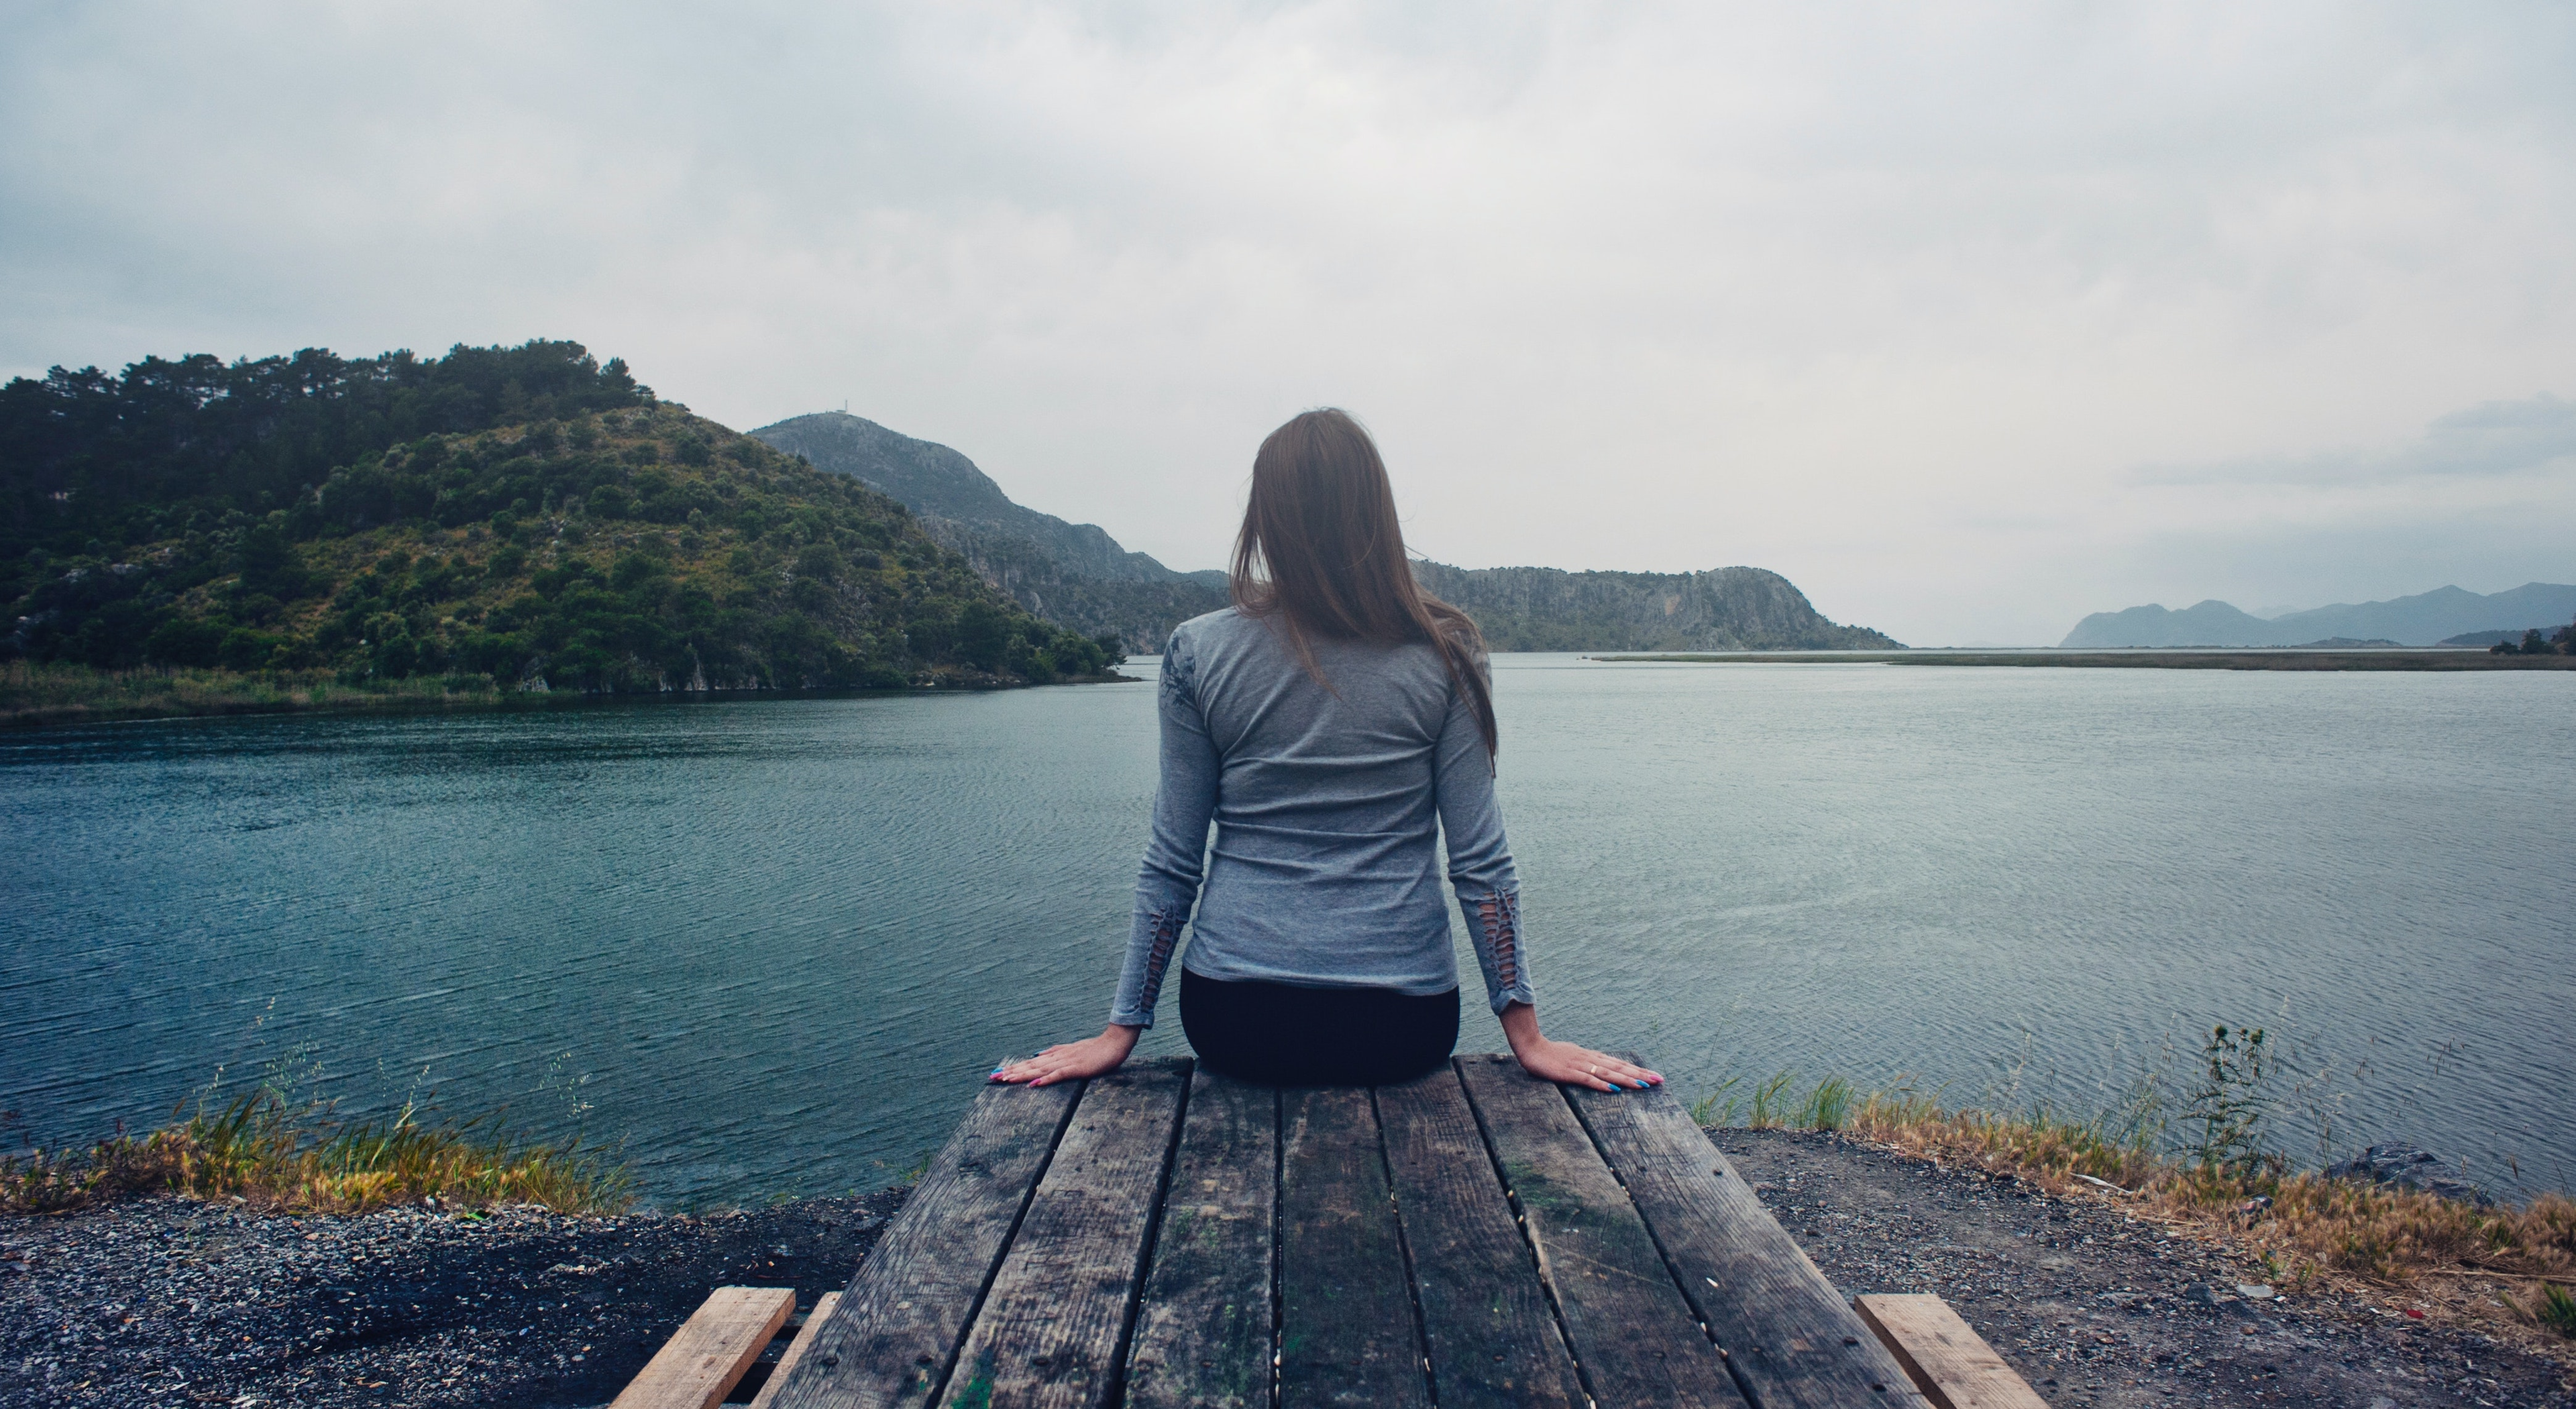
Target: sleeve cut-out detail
1494, 924
1167, 932
1502, 932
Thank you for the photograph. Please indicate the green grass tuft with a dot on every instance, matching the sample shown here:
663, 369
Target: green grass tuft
1710, 1110
2557, 1310
1771, 1101
1826, 1107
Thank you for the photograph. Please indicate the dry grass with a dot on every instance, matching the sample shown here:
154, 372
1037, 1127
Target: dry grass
66, 694
300, 1159
2299, 1231
2053, 1152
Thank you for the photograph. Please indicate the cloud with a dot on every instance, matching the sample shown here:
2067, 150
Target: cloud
1890, 299
2532, 436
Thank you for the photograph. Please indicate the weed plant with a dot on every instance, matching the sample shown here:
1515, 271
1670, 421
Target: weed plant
2227, 1110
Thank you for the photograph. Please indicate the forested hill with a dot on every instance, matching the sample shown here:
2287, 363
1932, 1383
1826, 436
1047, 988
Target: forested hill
1725, 609
1073, 574
522, 513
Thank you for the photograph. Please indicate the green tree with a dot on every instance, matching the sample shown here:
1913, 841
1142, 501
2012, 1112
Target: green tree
193, 641
984, 635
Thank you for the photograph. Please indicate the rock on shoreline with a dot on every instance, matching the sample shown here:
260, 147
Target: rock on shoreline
2408, 1167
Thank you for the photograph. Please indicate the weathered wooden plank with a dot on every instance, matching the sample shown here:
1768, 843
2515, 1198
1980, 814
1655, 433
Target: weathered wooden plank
1346, 1330
1951, 1364
1787, 1333
702, 1360
896, 1332
1203, 1329
795, 1351
1493, 1338
1635, 1338
1056, 1319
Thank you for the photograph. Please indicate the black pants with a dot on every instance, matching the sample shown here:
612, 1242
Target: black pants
1281, 1035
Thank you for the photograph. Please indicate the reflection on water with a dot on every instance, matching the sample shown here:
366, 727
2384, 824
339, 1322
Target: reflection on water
785, 939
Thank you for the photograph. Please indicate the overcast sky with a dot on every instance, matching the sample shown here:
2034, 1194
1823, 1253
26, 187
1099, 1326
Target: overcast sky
1970, 319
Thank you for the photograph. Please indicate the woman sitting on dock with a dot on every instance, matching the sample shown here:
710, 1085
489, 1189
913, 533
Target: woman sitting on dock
1331, 723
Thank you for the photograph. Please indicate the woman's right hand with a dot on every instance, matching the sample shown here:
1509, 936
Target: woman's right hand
1072, 1061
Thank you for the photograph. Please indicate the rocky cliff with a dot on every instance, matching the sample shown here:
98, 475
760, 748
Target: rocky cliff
1724, 609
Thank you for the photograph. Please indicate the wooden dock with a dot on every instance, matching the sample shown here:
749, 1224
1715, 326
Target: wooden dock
1166, 1236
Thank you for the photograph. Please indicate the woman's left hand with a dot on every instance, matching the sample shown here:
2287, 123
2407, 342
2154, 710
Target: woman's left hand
1567, 1064
1550, 1060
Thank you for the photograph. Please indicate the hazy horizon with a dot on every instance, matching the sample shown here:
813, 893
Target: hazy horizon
1969, 321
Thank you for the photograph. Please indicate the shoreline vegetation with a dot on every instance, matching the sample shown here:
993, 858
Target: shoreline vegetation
266, 1149
2205, 1167
2309, 1233
57, 693
2415, 658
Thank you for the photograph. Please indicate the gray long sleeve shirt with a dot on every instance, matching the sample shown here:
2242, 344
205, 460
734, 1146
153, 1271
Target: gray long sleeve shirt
1327, 803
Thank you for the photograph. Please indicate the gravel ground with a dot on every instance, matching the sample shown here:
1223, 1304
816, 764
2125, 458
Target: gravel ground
2094, 1307
167, 1302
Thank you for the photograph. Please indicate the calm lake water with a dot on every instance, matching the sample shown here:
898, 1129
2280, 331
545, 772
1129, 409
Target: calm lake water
774, 945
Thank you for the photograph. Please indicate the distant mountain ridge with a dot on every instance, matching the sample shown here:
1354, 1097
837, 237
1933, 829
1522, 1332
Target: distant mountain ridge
1076, 575
2421, 620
